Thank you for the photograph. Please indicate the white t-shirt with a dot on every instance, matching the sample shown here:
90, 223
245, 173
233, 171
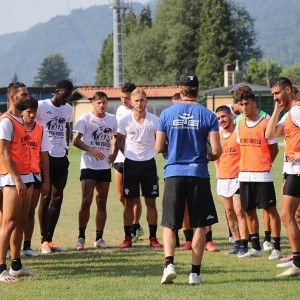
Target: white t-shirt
255, 176
6, 133
121, 112
140, 138
96, 133
288, 167
54, 120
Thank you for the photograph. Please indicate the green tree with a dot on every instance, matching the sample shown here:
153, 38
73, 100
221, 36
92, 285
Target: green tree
14, 78
53, 69
243, 34
292, 72
260, 71
216, 45
104, 75
177, 29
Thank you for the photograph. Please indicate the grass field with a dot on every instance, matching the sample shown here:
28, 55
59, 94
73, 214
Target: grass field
136, 273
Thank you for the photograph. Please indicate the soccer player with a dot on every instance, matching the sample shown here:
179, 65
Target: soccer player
267, 244
187, 126
16, 181
55, 115
39, 146
289, 127
123, 110
227, 167
93, 134
136, 139
255, 174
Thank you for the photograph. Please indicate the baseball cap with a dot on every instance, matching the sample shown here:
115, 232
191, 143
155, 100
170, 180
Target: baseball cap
188, 79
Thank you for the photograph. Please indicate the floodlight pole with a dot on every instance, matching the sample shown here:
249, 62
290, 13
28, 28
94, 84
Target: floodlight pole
118, 6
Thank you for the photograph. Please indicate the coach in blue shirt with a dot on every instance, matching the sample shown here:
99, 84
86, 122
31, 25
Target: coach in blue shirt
185, 128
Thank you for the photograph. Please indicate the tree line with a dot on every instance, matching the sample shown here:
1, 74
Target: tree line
197, 36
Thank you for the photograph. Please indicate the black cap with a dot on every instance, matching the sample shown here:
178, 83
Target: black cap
65, 84
188, 79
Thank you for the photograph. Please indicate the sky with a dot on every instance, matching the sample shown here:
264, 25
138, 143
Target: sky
20, 15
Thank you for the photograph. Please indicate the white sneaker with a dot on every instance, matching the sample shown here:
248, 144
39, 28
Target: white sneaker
267, 246
22, 272
80, 244
292, 271
231, 240
169, 274
252, 253
275, 254
194, 279
30, 252
100, 244
287, 264
7, 278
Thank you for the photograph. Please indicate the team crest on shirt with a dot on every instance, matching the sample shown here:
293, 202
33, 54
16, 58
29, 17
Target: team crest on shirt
101, 137
186, 121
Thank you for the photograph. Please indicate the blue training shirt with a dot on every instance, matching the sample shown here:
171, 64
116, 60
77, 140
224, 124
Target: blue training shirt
187, 127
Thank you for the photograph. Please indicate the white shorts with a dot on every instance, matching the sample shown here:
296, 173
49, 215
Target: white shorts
227, 187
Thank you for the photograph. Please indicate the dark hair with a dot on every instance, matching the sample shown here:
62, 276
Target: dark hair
65, 84
13, 87
237, 93
295, 90
223, 108
99, 95
247, 96
128, 87
176, 96
188, 91
282, 82
32, 103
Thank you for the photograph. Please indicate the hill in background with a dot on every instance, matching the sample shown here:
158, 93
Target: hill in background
79, 36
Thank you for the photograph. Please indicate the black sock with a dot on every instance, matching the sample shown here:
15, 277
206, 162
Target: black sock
49, 236
244, 243
177, 238
27, 245
208, 236
152, 230
16, 264
196, 269
99, 234
43, 237
276, 243
3, 267
169, 260
267, 236
127, 230
296, 259
134, 228
255, 241
188, 233
82, 233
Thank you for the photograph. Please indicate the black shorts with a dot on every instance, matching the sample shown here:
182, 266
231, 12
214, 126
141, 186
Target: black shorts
98, 175
291, 185
140, 173
197, 193
37, 185
119, 167
58, 167
257, 195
